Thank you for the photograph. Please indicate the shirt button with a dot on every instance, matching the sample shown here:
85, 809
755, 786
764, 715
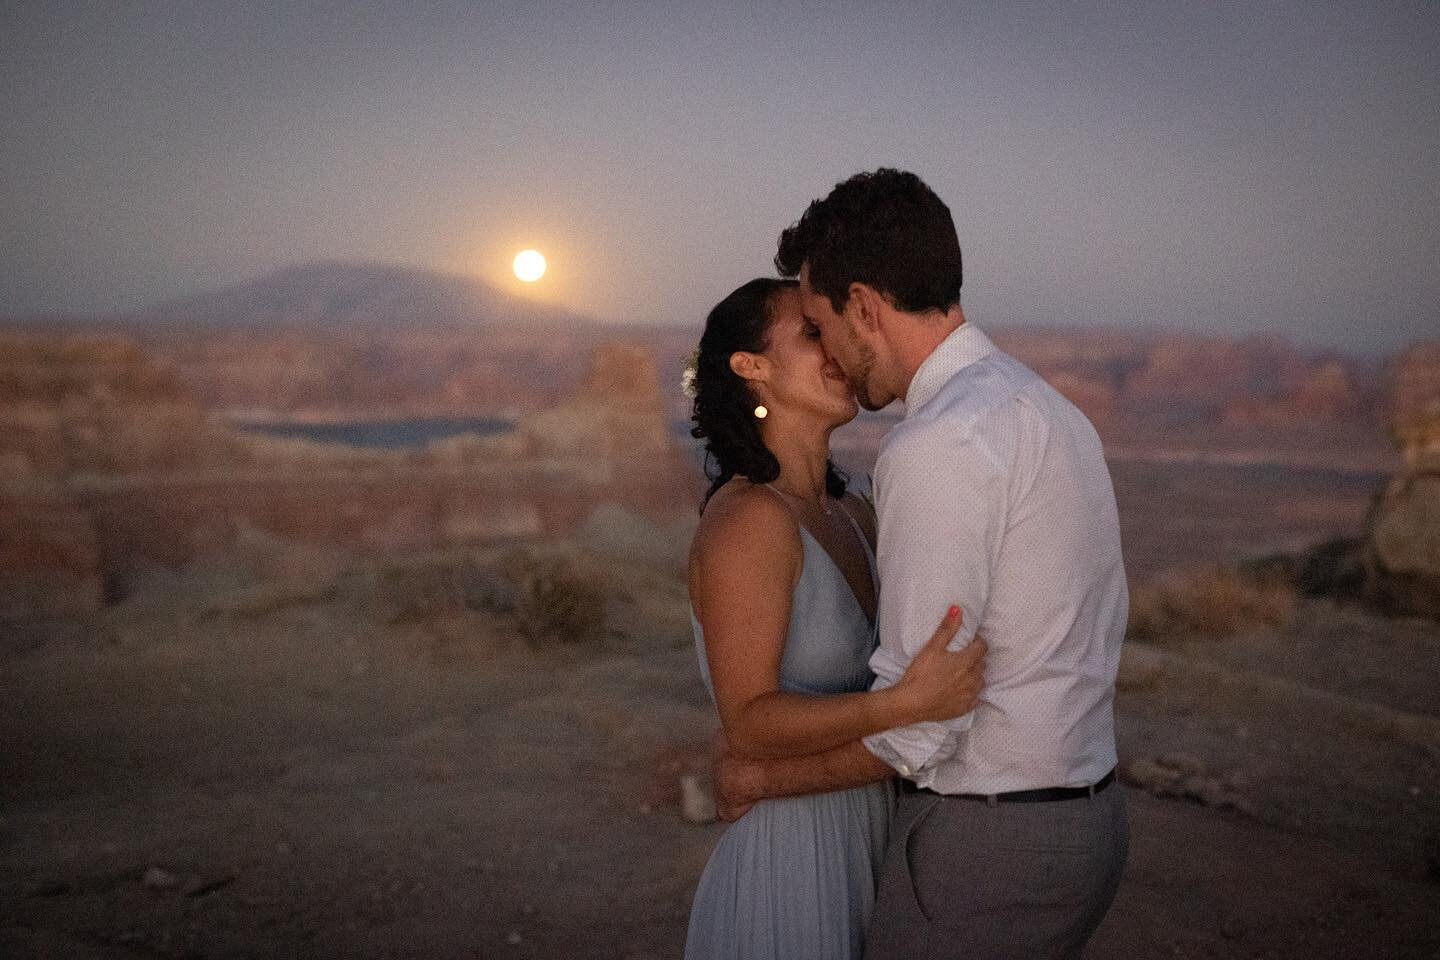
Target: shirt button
904, 770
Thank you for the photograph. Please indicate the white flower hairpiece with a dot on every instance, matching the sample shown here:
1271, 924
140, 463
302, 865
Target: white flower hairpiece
692, 370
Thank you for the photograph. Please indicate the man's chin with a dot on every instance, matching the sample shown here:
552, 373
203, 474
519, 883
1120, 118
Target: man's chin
861, 390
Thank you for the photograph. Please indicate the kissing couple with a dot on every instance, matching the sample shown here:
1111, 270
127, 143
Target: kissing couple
916, 699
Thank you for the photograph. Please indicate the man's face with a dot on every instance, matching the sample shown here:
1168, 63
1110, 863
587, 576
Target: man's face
842, 341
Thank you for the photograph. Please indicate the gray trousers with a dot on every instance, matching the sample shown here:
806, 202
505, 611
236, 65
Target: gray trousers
963, 878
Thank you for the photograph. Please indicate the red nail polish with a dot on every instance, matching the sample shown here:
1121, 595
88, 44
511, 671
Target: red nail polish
953, 612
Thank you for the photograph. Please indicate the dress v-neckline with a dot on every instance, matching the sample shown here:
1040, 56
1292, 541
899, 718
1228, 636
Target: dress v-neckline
869, 563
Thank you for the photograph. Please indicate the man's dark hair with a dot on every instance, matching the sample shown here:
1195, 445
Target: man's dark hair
885, 229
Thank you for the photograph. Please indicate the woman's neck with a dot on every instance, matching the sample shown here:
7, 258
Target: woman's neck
803, 460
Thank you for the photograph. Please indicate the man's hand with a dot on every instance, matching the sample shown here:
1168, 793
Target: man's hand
738, 782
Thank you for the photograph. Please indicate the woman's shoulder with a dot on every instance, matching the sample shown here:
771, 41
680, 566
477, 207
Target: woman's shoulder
747, 541
747, 517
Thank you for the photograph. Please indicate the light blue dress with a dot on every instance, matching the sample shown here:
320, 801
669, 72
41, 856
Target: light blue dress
794, 879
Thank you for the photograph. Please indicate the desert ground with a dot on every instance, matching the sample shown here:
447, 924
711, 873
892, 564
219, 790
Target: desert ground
476, 752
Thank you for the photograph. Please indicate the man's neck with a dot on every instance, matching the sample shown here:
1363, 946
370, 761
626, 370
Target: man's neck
919, 336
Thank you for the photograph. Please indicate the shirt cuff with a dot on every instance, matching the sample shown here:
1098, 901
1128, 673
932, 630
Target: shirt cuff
915, 750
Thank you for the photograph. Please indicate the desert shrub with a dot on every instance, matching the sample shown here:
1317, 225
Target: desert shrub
1335, 569
423, 589
550, 593
557, 596
1208, 602
405, 593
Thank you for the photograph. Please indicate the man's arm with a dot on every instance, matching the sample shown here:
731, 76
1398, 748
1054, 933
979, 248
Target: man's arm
941, 501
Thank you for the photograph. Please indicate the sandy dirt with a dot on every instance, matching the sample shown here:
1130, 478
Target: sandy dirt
282, 771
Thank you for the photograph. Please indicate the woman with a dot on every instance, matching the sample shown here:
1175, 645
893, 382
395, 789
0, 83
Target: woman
783, 593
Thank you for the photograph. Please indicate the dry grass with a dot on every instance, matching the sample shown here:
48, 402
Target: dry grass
559, 596
1209, 601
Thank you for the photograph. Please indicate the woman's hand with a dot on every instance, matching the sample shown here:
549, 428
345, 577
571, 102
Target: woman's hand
940, 684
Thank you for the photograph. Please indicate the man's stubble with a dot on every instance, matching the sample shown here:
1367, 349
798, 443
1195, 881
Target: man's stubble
865, 367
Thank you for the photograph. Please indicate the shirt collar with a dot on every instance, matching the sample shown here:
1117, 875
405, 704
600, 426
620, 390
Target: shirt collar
966, 344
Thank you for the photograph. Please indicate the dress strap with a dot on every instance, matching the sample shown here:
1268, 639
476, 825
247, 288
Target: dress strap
870, 561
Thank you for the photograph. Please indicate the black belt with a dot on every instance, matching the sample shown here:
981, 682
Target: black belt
1019, 796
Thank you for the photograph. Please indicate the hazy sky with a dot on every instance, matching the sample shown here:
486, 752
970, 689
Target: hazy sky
1227, 167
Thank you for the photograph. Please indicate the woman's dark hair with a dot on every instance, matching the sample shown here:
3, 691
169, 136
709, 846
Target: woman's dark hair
724, 407
885, 229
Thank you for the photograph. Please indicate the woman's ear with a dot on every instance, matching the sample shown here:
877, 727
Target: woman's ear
749, 366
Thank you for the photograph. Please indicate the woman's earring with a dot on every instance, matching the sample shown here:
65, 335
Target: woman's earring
761, 413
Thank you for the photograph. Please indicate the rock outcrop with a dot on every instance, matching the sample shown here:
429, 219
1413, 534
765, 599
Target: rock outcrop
1256, 397
1415, 418
1402, 541
1325, 393
114, 476
50, 556
88, 404
78, 409
618, 417
1189, 379
381, 374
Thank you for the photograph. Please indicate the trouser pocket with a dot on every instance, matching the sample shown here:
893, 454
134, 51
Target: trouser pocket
898, 926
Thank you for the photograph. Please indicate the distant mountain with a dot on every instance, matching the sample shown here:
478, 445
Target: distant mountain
339, 295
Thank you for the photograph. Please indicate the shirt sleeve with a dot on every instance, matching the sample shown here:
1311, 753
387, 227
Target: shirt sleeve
940, 504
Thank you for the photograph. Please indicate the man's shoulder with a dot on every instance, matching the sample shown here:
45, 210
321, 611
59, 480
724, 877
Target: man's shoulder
998, 391
910, 437
936, 438
983, 409
1039, 398
979, 391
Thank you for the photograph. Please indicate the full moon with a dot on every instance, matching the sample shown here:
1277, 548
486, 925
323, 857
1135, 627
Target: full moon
529, 265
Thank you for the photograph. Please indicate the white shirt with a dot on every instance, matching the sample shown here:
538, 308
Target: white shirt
993, 493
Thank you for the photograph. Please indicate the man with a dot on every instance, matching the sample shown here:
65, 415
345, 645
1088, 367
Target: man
1010, 833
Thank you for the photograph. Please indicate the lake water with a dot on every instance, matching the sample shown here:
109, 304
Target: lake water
387, 434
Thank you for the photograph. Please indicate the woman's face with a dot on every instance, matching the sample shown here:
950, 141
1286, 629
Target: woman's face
803, 377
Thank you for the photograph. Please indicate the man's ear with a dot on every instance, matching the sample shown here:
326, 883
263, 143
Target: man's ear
868, 305
749, 366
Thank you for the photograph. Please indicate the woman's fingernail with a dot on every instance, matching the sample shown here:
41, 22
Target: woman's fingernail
953, 612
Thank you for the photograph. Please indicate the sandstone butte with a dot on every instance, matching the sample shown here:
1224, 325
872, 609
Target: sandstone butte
109, 462
118, 451
1402, 542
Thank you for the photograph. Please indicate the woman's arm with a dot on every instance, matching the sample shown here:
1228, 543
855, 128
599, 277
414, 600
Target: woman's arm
744, 565
741, 782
